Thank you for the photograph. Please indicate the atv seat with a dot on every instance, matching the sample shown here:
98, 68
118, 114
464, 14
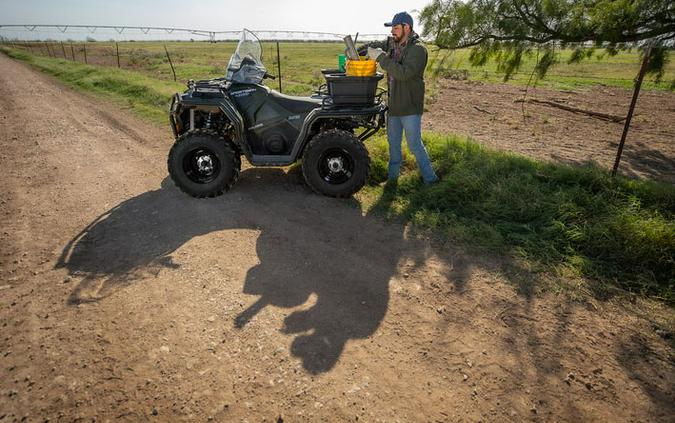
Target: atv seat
295, 104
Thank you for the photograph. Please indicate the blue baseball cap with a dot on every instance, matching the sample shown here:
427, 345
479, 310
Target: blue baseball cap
401, 18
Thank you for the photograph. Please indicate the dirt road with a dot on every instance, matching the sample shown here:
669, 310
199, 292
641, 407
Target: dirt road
123, 299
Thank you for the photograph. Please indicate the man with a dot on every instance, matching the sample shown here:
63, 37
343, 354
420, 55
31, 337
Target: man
405, 62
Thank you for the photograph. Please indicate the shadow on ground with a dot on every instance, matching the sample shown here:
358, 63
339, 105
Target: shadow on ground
308, 246
325, 254
637, 161
643, 160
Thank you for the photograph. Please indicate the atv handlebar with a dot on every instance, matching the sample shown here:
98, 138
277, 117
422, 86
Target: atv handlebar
268, 76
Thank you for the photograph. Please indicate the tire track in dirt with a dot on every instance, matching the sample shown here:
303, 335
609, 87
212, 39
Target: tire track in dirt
122, 298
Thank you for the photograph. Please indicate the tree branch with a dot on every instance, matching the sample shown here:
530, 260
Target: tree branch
542, 25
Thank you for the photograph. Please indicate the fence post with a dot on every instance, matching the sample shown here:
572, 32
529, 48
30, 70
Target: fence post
631, 109
117, 47
72, 51
64, 51
170, 63
279, 66
49, 53
84, 46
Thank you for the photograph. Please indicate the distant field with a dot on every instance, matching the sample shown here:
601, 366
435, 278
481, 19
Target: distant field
616, 71
301, 64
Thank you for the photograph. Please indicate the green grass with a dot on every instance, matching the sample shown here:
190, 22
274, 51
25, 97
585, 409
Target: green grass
601, 69
575, 223
301, 64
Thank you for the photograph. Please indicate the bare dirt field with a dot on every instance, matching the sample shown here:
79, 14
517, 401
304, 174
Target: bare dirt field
122, 299
490, 114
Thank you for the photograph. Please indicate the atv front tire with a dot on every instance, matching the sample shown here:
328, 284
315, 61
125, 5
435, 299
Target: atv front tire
336, 163
203, 164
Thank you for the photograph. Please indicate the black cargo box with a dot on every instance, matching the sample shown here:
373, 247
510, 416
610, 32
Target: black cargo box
352, 90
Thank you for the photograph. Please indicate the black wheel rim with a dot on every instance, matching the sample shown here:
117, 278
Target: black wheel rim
201, 165
336, 166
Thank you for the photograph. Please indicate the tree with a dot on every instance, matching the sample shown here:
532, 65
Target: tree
509, 29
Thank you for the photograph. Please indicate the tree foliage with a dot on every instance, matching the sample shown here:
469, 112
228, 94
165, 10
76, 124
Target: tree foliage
509, 29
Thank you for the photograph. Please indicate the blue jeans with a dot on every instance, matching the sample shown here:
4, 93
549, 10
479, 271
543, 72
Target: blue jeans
412, 124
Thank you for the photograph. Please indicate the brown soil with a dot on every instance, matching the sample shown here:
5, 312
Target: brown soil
124, 299
489, 114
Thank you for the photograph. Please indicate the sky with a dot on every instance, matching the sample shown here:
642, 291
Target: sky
342, 17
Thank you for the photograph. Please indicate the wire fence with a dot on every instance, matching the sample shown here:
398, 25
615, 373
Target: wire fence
170, 53
297, 65
145, 48
183, 60
92, 53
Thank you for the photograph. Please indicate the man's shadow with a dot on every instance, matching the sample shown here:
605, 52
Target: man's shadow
310, 248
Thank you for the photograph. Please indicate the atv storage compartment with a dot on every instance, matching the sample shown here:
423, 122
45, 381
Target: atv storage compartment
207, 89
352, 90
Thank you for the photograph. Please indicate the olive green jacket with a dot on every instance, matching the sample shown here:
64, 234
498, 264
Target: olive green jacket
406, 91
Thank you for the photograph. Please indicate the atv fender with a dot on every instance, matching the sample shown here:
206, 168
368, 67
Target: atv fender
183, 102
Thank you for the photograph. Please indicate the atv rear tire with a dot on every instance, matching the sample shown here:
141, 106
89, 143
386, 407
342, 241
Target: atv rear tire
336, 163
203, 164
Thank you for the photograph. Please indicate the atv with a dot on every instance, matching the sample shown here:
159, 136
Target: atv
217, 121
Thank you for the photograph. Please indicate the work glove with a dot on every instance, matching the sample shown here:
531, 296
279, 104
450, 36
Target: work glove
374, 53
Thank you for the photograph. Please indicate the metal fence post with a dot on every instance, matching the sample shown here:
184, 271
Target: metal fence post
279, 66
118, 54
631, 109
64, 51
72, 51
170, 63
84, 47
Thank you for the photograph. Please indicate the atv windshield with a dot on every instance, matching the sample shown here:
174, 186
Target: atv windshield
245, 65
